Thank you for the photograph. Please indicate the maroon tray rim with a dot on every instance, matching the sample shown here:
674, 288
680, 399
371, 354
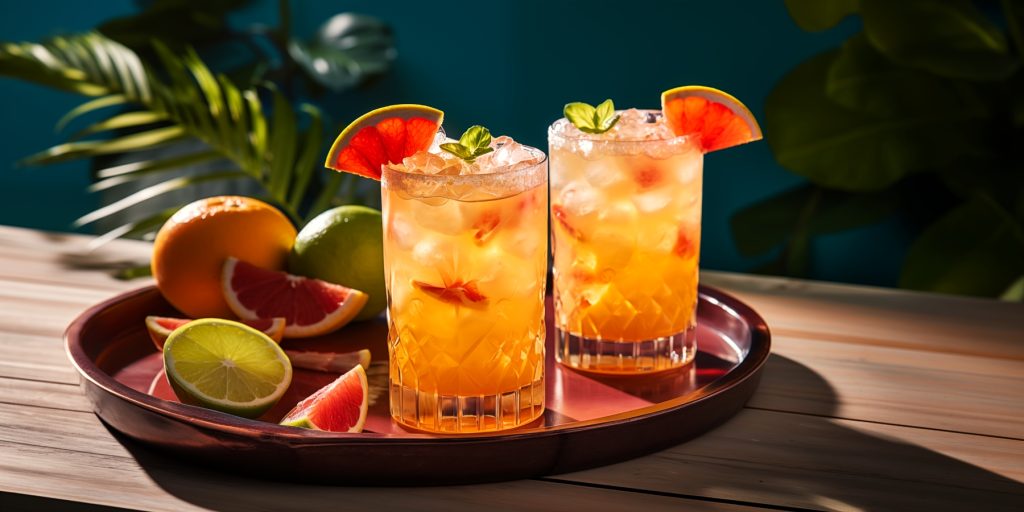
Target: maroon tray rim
256, 430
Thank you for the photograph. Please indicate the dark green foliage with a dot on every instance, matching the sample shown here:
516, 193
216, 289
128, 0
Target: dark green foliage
153, 89
919, 116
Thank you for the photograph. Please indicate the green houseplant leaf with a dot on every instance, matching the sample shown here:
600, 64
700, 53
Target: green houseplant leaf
818, 15
947, 37
793, 217
976, 249
843, 149
182, 100
345, 51
863, 79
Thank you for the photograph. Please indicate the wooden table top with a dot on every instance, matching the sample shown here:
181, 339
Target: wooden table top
872, 399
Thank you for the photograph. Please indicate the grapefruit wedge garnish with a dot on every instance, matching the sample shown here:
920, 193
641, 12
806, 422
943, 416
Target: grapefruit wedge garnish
160, 327
310, 307
718, 119
456, 292
561, 218
337, 407
383, 136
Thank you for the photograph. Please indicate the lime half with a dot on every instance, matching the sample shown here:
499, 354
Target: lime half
226, 366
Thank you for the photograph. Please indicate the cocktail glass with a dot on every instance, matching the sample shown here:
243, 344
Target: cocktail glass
465, 259
625, 222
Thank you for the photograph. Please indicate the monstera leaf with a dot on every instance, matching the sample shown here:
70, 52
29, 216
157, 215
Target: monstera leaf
345, 51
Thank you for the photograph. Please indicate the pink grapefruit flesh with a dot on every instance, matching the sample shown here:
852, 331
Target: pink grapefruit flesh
160, 327
338, 407
383, 136
310, 307
719, 120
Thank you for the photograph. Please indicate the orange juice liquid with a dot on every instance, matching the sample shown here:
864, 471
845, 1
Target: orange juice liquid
625, 222
466, 278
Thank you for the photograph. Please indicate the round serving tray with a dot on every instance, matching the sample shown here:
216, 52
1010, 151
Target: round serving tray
590, 420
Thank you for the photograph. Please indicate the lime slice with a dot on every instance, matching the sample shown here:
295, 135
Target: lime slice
226, 366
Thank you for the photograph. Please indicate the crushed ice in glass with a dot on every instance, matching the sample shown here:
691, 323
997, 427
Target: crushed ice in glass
508, 155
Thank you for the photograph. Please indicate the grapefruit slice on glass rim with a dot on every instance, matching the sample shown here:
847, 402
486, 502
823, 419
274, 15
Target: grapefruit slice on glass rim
160, 327
718, 119
383, 136
337, 407
310, 307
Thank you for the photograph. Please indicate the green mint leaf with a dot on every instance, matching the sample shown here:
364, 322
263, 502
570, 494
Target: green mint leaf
482, 151
474, 142
605, 117
604, 111
589, 119
580, 115
456, 149
475, 137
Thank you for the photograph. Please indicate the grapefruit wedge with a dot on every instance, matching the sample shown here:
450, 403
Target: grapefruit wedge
160, 327
310, 307
337, 407
383, 136
720, 120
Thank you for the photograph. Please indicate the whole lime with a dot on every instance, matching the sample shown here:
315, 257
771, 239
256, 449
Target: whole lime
344, 245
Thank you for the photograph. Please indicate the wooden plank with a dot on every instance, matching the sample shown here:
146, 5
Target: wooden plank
955, 392
35, 357
880, 316
810, 462
49, 395
56, 428
66, 258
759, 457
155, 482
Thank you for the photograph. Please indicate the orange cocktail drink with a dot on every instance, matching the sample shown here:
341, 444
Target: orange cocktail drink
465, 252
625, 222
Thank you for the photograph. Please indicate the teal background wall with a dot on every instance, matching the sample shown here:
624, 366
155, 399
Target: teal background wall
510, 65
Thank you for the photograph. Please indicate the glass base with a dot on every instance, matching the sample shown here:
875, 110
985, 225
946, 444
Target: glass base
454, 414
626, 357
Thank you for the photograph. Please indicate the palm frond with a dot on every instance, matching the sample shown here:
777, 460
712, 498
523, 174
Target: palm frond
174, 99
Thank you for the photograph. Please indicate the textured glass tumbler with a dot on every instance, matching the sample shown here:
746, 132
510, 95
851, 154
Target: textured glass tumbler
465, 262
625, 224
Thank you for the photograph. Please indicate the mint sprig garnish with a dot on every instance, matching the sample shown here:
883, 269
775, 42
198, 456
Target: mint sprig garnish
592, 119
475, 142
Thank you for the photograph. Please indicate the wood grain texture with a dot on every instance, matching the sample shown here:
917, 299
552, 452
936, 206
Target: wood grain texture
142, 479
873, 399
880, 316
812, 462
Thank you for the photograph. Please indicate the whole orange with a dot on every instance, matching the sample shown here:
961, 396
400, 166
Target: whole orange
191, 247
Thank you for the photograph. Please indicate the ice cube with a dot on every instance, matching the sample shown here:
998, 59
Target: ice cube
524, 243
580, 199
423, 162
689, 168
658, 235
436, 215
640, 125
507, 155
605, 174
654, 200
401, 229
435, 253
615, 237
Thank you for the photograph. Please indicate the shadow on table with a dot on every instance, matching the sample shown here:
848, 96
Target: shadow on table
809, 460
114, 265
804, 460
